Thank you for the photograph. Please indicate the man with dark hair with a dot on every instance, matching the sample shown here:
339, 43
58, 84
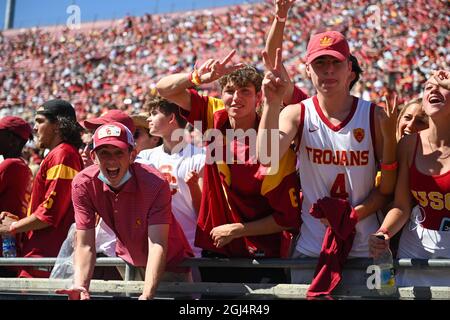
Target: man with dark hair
356, 70
144, 140
50, 212
15, 175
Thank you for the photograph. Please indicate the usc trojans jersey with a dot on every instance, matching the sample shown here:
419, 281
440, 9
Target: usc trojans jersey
336, 161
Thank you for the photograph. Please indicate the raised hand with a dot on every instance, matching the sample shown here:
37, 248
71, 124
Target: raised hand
275, 83
443, 78
282, 7
388, 118
213, 69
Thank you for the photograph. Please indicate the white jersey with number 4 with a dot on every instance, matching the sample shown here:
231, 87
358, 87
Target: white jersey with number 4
336, 161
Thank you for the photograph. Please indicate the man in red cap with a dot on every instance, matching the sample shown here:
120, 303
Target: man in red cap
341, 142
110, 116
134, 201
94, 123
15, 175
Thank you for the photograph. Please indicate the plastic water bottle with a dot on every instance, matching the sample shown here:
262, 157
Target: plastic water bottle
385, 262
9, 246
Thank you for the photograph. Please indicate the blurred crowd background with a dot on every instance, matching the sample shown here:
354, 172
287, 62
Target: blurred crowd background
115, 64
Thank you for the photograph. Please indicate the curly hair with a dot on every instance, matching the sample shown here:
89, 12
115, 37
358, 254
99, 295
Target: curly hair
69, 129
243, 77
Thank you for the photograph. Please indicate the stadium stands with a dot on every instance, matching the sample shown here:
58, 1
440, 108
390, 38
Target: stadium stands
116, 63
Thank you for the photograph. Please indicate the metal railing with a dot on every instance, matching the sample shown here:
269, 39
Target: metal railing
278, 290
302, 263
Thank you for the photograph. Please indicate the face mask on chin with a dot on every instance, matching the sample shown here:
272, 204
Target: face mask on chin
125, 178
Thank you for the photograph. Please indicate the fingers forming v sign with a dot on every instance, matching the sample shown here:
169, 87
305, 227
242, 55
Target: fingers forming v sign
390, 107
213, 69
275, 82
282, 7
389, 118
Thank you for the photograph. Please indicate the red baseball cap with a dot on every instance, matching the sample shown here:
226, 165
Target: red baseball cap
111, 116
328, 43
114, 134
16, 125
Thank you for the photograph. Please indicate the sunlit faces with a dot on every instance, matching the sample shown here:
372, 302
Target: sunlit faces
240, 102
45, 131
412, 120
436, 99
158, 123
329, 74
113, 162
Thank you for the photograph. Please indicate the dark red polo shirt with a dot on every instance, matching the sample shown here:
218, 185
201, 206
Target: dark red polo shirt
144, 200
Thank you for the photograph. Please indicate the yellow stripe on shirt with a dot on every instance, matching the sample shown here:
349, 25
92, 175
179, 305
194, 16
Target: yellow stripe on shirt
213, 106
285, 168
61, 172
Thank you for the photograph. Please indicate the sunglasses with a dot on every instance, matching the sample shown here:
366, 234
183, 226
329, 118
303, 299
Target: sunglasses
90, 146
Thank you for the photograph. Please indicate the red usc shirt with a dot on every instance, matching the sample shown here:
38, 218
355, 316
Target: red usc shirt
51, 201
242, 192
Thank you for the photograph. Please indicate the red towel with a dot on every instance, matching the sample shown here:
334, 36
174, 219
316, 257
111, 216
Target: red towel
336, 245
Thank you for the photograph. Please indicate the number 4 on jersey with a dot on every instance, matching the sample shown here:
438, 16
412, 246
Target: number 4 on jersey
338, 189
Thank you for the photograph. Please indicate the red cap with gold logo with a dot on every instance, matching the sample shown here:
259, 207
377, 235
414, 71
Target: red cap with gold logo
328, 43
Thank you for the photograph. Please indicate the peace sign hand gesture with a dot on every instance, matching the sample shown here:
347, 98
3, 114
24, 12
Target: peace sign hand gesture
282, 7
213, 69
275, 83
388, 119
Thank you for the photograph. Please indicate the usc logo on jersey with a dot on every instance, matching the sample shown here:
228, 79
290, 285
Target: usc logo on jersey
359, 134
435, 200
166, 171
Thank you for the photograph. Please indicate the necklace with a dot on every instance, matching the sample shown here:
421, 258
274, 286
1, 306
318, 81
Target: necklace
443, 155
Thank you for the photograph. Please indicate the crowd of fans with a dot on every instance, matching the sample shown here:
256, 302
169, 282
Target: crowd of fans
115, 64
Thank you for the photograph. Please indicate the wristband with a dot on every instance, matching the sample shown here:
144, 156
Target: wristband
12, 229
279, 19
389, 167
385, 231
194, 78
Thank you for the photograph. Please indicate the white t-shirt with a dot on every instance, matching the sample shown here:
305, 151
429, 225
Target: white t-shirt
175, 167
336, 160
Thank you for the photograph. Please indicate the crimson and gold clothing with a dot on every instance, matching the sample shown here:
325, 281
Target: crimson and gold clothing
432, 194
15, 189
243, 192
51, 202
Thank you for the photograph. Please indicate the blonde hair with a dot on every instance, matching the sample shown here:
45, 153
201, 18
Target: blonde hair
403, 109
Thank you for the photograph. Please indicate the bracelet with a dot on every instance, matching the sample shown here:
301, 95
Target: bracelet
12, 229
194, 78
279, 19
385, 231
389, 167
